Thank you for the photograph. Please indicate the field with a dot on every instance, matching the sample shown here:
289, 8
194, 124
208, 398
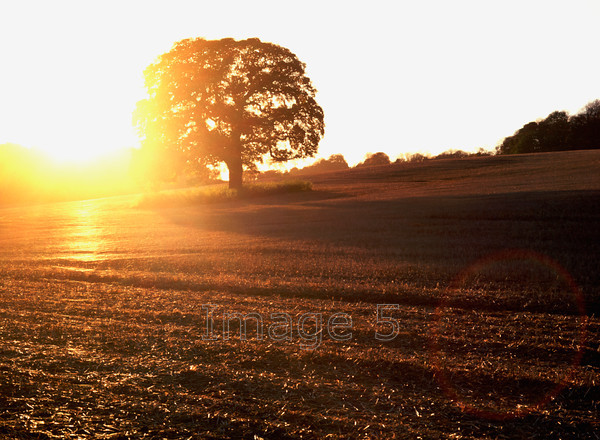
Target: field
488, 268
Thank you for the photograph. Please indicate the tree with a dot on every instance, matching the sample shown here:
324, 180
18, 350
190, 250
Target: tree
374, 159
237, 102
335, 162
585, 127
553, 131
525, 140
557, 132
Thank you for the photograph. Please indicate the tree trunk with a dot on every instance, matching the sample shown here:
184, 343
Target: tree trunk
235, 173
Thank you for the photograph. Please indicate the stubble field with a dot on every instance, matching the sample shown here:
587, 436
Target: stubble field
485, 271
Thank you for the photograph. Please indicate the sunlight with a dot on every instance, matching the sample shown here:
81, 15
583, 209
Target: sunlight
65, 154
81, 144
84, 243
29, 175
80, 107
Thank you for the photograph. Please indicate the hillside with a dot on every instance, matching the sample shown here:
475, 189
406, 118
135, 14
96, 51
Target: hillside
484, 263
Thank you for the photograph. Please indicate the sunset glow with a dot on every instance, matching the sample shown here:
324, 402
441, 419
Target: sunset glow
396, 77
314, 219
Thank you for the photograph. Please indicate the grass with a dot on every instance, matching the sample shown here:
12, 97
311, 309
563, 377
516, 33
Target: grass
219, 194
102, 324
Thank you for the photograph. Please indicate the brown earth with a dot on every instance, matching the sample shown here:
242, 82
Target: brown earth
492, 264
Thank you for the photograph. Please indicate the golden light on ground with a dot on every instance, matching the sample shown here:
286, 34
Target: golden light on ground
85, 240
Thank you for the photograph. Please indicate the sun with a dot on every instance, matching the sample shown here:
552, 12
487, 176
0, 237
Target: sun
76, 127
71, 155
83, 153
80, 109
86, 133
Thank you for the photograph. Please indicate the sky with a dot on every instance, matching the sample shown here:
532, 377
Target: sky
393, 76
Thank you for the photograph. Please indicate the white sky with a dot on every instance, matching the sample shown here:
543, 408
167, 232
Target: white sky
393, 76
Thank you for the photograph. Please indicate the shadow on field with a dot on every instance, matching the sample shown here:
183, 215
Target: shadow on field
448, 232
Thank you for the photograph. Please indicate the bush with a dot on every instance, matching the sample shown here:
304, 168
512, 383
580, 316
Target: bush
219, 193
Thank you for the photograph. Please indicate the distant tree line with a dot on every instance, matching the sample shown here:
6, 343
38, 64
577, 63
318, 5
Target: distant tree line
337, 162
557, 132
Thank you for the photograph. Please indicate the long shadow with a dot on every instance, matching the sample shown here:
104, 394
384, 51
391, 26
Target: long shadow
445, 231
329, 217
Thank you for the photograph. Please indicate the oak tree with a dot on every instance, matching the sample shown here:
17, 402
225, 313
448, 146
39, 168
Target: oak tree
237, 102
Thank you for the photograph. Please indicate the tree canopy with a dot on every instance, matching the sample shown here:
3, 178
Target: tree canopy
374, 159
237, 102
558, 131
